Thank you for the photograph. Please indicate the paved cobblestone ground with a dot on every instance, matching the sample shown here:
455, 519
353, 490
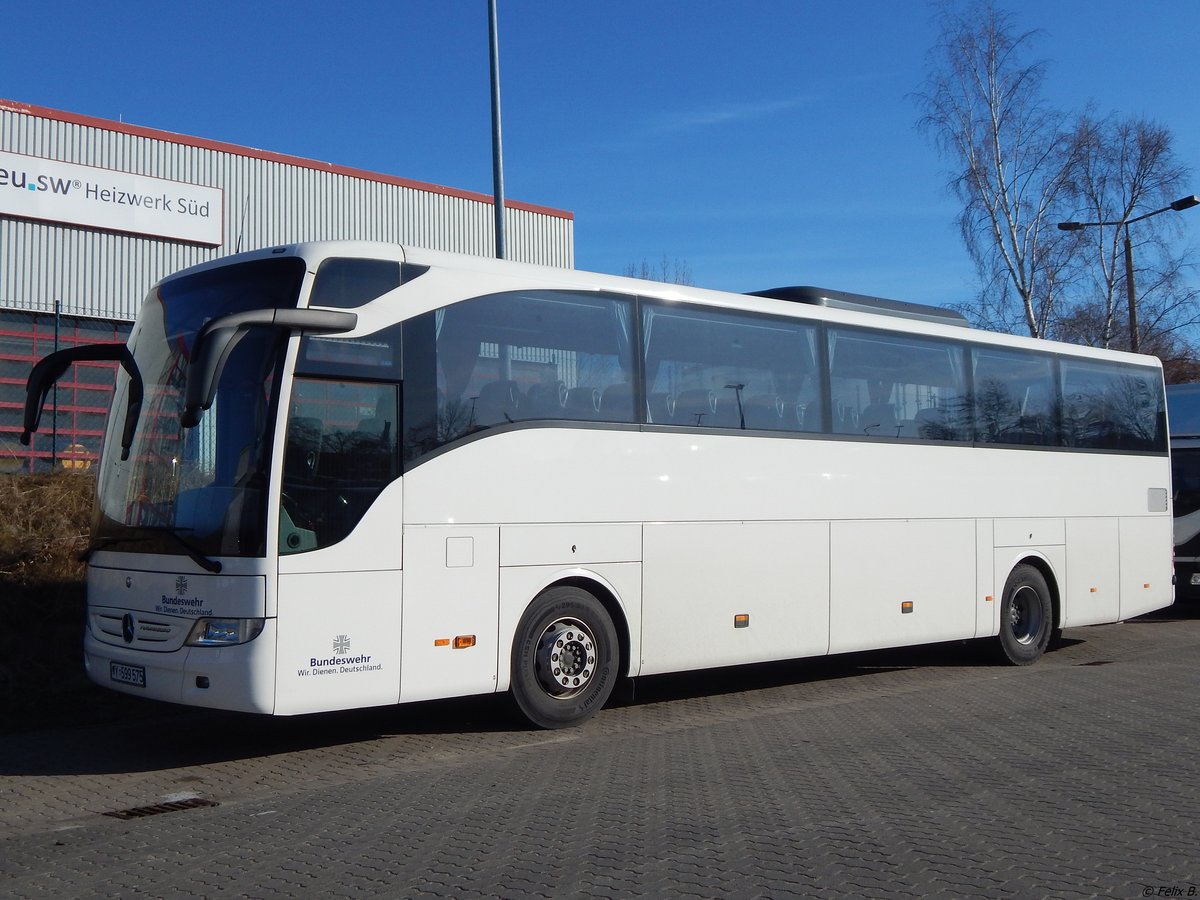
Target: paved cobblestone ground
915, 773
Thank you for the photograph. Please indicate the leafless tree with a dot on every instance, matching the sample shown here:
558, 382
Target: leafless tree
1012, 158
1020, 167
1126, 167
672, 272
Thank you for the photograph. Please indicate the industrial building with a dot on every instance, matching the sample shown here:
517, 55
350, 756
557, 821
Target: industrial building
93, 212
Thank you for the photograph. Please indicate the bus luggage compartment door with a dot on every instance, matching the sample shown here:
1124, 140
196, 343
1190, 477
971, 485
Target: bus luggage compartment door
724, 593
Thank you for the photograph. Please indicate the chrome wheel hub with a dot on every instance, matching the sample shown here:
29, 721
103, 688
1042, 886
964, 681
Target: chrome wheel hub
566, 658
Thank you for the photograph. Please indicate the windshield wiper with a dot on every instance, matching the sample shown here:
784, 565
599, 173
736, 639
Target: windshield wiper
204, 562
101, 543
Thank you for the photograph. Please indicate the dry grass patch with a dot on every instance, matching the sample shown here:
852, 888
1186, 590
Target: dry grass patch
44, 526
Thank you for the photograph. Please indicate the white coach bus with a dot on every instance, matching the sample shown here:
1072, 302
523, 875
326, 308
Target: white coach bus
348, 474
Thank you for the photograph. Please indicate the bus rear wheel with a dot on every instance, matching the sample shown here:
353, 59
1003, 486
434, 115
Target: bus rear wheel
564, 658
1026, 616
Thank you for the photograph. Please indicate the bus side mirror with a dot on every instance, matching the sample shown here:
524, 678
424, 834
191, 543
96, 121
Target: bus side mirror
52, 367
216, 340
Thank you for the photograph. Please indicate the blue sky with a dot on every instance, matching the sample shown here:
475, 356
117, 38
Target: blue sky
761, 143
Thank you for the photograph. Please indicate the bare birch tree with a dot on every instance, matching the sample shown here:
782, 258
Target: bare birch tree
1020, 167
1012, 158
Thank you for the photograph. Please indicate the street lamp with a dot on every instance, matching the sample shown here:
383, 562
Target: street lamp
1178, 206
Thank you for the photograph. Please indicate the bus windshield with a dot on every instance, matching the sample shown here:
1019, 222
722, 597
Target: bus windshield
200, 491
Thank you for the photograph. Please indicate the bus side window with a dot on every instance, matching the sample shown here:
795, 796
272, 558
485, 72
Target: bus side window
1016, 398
710, 368
522, 356
888, 385
1110, 407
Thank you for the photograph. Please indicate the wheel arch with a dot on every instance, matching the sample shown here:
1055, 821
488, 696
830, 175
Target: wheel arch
1043, 566
607, 596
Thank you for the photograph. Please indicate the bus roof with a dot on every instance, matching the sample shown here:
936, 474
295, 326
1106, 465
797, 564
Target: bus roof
807, 302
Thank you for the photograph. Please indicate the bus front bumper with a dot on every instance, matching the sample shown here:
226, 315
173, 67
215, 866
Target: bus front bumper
239, 678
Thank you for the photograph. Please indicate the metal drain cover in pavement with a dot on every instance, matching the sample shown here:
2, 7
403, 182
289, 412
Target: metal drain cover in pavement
139, 812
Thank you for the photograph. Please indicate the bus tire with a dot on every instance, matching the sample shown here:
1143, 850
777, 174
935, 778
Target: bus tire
564, 658
1026, 616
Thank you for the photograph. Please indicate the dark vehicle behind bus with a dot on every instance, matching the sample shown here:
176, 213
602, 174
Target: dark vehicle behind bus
1183, 416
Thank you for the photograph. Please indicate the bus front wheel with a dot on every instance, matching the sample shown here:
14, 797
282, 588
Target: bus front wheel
1026, 616
564, 658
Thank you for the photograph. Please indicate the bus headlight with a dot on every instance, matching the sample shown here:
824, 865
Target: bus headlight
224, 632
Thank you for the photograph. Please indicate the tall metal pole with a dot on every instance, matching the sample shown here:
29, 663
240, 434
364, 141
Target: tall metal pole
54, 429
497, 148
1131, 293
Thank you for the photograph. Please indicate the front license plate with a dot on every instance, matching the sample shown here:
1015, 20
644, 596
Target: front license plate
135, 675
